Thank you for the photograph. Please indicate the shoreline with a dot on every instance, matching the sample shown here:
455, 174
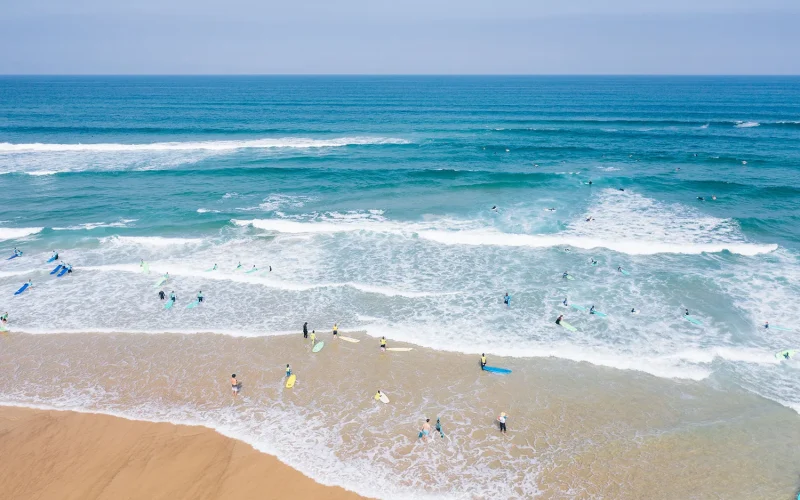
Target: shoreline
67, 454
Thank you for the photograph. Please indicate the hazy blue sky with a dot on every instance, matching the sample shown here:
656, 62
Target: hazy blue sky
397, 36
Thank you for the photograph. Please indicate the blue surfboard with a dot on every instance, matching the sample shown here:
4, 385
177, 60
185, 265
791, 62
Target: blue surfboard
51, 259
13, 257
495, 369
54, 271
22, 289
63, 272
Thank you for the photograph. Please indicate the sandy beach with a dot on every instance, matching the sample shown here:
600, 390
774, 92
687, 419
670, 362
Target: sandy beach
67, 455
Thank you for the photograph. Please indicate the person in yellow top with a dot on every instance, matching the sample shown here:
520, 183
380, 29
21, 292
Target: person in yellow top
378, 396
483, 361
288, 370
313, 338
335, 330
383, 343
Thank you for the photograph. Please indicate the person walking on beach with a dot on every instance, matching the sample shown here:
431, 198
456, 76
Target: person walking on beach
305, 330
335, 331
288, 370
313, 338
383, 344
234, 385
483, 361
502, 421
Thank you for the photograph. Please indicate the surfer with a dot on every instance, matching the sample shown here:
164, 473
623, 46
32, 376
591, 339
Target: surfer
214, 268
200, 296
17, 253
378, 395
288, 370
69, 268
494, 207
565, 275
552, 209
425, 432
55, 255
686, 313
335, 331
305, 330
483, 361
4, 318
313, 338
589, 219
566, 249
162, 295
238, 266
633, 310
590, 183
619, 269
786, 355
507, 300
565, 302
558, 320
383, 343
766, 325
593, 262
591, 310
270, 268
502, 420
172, 296
701, 198
439, 428
234, 385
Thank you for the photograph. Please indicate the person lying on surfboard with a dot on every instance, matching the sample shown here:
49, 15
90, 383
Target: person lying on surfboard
558, 320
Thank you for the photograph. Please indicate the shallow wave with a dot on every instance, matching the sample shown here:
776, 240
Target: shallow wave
13, 233
288, 142
150, 241
94, 225
746, 124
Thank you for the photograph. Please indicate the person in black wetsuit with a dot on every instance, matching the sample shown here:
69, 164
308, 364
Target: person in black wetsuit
305, 330
162, 295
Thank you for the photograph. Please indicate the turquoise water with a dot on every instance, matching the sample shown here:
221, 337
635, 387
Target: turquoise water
371, 199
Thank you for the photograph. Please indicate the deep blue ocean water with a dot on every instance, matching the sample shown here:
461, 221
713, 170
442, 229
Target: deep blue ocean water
371, 198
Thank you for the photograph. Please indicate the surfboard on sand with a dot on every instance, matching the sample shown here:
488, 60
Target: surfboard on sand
290, 381
349, 339
318, 346
384, 399
495, 369
400, 349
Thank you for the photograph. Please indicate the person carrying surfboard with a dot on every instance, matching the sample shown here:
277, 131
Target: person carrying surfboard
200, 296
439, 428
383, 343
483, 361
172, 296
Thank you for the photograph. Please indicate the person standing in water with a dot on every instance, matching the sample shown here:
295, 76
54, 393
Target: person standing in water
686, 313
507, 300
288, 370
4, 318
565, 302
200, 296
483, 361
383, 343
425, 432
591, 310
766, 325
439, 428
335, 331
172, 296
305, 330
502, 420
162, 295
558, 320
234, 385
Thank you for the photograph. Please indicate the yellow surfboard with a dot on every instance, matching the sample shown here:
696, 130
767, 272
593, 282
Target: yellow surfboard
290, 381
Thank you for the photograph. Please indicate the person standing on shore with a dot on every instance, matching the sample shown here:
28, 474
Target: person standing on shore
335, 331
305, 330
483, 361
234, 385
383, 343
313, 338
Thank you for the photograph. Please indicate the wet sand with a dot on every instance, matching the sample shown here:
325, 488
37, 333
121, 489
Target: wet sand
575, 430
68, 455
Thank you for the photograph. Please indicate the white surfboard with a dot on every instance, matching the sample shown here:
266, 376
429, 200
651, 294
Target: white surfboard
399, 349
349, 339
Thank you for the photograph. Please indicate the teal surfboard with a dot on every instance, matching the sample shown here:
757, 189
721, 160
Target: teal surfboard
787, 354
169, 304
251, 271
568, 326
318, 346
495, 369
600, 314
693, 320
626, 273
578, 307
192, 305
160, 282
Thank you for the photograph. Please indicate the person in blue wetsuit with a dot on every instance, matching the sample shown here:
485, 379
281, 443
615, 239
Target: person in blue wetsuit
565, 302
172, 296
200, 296
55, 255
507, 300
591, 310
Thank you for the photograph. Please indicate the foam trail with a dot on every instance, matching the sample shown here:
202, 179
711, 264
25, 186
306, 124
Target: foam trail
747, 124
288, 142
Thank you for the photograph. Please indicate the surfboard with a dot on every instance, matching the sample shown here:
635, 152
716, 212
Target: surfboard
384, 399
3, 329
160, 282
626, 273
251, 271
22, 289
400, 349
14, 256
787, 354
495, 369
169, 304
349, 339
51, 259
54, 271
192, 305
693, 320
290, 381
772, 327
146, 268
568, 326
318, 346
578, 307
63, 272
600, 314
569, 277
209, 269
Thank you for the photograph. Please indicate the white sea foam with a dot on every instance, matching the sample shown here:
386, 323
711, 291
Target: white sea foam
206, 210
288, 142
150, 241
748, 124
15, 233
94, 225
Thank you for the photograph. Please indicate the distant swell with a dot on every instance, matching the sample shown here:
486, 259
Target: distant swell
289, 142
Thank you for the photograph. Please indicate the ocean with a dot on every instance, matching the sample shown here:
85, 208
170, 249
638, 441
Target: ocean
368, 202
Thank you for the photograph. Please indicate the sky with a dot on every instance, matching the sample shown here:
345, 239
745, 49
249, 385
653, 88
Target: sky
400, 37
